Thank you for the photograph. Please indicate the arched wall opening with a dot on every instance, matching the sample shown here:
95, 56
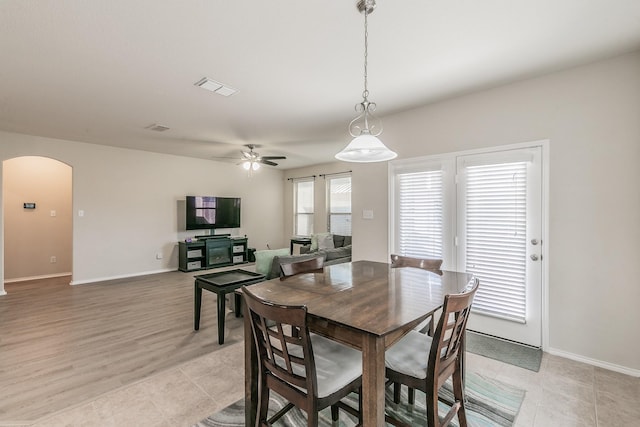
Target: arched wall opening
38, 218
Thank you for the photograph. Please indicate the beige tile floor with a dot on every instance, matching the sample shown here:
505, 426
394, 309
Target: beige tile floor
563, 393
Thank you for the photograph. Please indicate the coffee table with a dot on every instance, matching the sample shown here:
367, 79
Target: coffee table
221, 284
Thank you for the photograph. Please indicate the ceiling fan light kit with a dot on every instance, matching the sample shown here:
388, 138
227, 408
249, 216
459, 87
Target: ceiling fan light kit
251, 165
366, 147
251, 161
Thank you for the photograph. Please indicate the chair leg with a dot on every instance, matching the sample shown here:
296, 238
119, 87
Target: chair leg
335, 413
263, 406
412, 395
458, 396
396, 392
432, 408
312, 417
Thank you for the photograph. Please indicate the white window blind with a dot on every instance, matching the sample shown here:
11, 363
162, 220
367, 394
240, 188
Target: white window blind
339, 205
496, 237
303, 215
420, 213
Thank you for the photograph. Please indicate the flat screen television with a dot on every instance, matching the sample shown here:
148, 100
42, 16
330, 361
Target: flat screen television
205, 212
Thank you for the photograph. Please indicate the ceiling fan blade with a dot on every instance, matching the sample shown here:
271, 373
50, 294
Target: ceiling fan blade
273, 157
267, 162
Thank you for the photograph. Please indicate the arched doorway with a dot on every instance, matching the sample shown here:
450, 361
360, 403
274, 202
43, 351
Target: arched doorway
37, 209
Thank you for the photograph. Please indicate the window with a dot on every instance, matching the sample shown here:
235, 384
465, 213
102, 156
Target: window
339, 205
419, 214
303, 205
423, 209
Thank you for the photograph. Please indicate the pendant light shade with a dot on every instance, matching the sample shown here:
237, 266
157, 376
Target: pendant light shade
366, 147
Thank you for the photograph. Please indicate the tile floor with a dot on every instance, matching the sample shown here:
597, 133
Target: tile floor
564, 393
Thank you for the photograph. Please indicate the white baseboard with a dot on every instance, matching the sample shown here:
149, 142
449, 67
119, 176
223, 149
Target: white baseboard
123, 276
599, 363
44, 276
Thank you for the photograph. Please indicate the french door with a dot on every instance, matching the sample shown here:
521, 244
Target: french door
498, 239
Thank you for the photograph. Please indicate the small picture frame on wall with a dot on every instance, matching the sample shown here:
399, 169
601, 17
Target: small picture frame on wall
29, 205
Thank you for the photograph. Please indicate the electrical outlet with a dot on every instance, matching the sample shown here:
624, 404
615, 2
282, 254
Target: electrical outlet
53, 260
159, 255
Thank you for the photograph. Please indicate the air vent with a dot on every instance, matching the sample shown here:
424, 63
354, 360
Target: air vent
216, 87
158, 128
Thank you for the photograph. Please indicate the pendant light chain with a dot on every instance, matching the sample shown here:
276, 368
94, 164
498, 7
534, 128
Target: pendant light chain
365, 94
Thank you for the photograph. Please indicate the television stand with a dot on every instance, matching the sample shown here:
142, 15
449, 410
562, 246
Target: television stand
212, 252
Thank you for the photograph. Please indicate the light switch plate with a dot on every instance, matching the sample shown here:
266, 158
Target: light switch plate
367, 214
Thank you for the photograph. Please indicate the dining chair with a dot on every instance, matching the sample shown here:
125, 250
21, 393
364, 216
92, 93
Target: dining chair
425, 363
427, 326
313, 265
433, 265
311, 372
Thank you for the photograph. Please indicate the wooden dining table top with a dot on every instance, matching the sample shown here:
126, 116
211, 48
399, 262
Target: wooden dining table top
370, 296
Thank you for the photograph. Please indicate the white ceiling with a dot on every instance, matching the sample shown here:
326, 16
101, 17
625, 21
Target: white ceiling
101, 71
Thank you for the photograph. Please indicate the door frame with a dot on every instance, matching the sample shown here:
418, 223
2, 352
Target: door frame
545, 146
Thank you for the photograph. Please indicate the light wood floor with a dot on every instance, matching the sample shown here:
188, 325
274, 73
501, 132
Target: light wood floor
61, 345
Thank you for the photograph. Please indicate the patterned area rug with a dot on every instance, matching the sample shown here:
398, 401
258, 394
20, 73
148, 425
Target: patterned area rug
489, 403
504, 351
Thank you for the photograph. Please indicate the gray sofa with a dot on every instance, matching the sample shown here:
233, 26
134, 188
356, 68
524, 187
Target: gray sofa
341, 252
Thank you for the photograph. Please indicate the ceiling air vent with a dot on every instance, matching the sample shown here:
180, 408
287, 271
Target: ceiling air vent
158, 128
216, 87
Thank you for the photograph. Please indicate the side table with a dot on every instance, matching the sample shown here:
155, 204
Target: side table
221, 284
299, 241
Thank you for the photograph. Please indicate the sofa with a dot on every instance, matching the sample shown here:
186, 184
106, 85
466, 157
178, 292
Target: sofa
335, 249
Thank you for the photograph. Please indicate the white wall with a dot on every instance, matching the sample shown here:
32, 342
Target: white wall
591, 115
131, 202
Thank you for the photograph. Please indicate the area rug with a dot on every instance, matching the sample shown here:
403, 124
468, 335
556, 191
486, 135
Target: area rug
504, 351
489, 403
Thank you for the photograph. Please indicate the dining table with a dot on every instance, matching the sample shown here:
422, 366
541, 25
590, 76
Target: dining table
366, 305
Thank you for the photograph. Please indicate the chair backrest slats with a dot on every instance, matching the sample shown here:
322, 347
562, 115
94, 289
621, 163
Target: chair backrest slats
282, 341
451, 327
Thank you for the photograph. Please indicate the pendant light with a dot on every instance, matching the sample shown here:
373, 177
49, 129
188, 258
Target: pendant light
366, 147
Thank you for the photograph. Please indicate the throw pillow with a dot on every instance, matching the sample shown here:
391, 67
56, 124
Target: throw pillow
325, 242
314, 240
338, 241
264, 259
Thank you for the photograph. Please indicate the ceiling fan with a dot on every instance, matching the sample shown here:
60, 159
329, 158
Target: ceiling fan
253, 158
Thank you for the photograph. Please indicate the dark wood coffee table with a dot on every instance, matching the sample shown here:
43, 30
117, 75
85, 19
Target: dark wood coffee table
221, 284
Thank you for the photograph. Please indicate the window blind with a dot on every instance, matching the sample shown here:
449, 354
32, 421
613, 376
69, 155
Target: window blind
339, 205
303, 194
496, 238
420, 214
